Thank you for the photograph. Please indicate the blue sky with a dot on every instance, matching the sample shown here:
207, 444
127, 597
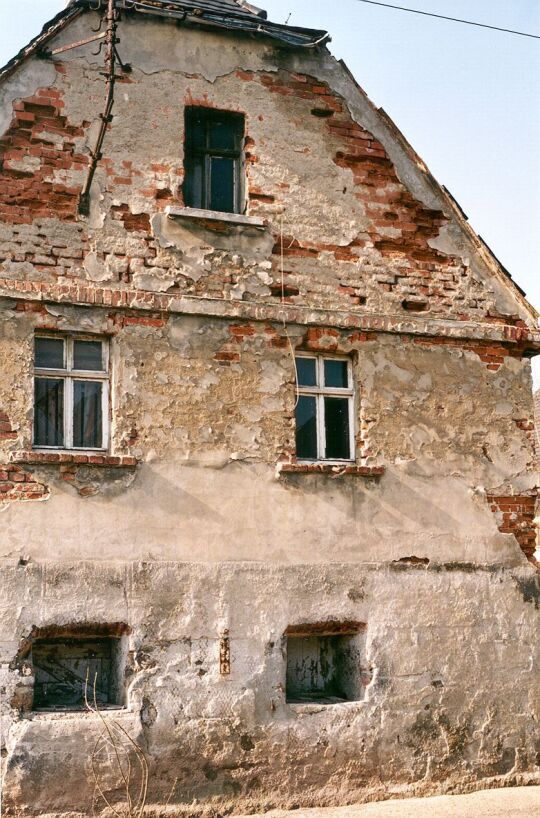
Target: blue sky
467, 99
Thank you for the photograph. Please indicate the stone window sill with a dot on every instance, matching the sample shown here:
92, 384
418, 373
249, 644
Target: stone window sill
304, 708
36, 458
120, 711
333, 469
214, 216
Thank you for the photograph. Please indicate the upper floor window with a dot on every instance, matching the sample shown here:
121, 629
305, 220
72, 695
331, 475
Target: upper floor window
324, 412
213, 160
71, 392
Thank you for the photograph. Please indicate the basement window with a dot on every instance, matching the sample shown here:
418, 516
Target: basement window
324, 411
325, 663
68, 668
213, 160
71, 392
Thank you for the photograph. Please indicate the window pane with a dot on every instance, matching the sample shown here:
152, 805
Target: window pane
197, 133
88, 355
223, 133
87, 415
222, 184
49, 412
306, 371
306, 428
194, 182
336, 374
49, 353
336, 422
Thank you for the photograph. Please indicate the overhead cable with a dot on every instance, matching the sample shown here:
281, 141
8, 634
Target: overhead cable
452, 19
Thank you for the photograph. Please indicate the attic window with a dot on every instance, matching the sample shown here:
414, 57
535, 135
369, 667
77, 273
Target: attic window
65, 668
325, 663
213, 160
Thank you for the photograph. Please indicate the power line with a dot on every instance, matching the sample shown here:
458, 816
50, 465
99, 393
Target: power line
453, 19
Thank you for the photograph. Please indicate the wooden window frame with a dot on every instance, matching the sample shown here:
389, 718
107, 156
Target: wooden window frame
319, 392
207, 153
69, 375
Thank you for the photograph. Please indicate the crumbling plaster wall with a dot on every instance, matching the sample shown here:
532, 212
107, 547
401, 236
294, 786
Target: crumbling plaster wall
205, 534
451, 653
207, 408
330, 185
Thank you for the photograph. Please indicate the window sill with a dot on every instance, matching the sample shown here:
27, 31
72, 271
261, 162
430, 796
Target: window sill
214, 216
305, 708
72, 714
78, 458
333, 469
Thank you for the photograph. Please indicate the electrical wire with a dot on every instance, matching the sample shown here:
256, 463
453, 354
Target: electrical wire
452, 19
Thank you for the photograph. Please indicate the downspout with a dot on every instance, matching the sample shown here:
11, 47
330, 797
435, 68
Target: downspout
110, 42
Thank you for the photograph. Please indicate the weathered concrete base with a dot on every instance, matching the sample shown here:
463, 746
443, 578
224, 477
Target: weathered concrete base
452, 653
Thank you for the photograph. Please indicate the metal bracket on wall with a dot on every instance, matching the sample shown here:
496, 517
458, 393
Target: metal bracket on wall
224, 654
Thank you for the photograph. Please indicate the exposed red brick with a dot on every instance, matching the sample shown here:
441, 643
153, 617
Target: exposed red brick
516, 514
18, 484
334, 470
66, 457
28, 194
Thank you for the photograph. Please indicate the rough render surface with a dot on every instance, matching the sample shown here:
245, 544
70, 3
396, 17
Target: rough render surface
453, 697
188, 528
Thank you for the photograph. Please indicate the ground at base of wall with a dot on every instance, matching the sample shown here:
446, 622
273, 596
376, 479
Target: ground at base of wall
514, 802
499, 801
510, 802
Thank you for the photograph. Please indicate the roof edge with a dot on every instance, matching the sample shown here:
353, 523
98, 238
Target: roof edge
250, 19
49, 30
481, 246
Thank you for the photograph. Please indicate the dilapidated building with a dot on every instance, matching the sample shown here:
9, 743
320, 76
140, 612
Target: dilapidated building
267, 471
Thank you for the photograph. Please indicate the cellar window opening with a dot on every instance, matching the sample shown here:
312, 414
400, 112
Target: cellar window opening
69, 671
325, 664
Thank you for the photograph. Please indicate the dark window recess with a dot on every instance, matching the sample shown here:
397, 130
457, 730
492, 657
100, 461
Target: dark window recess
64, 668
213, 160
325, 669
336, 373
49, 412
87, 425
306, 371
336, 424
49, 353
88, 355
306, 428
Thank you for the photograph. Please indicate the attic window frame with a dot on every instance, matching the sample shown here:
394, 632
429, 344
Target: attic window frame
199, 158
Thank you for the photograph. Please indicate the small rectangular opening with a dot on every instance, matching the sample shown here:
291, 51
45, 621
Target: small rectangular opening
66, 668
325, 668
